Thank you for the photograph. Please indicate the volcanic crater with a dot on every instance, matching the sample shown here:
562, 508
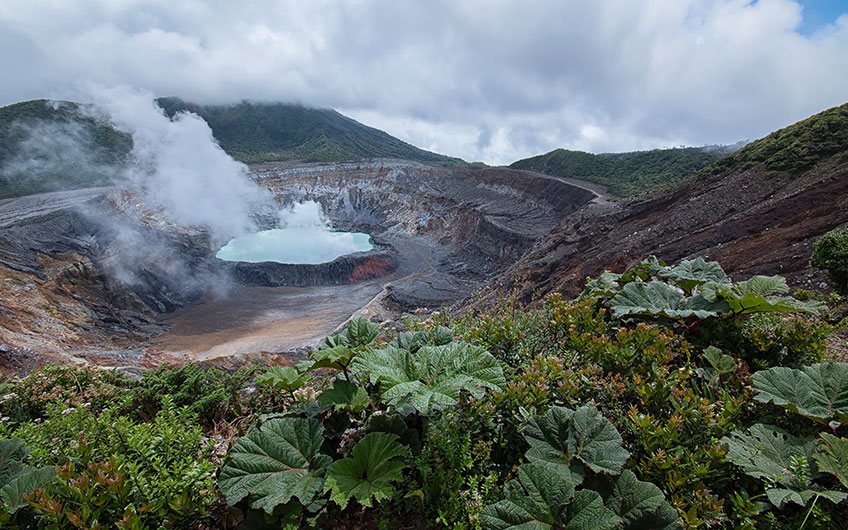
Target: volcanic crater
74, 290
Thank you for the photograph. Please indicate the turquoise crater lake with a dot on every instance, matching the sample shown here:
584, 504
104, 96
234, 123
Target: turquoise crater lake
299, 245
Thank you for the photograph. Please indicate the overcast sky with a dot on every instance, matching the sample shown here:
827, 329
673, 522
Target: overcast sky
484, 80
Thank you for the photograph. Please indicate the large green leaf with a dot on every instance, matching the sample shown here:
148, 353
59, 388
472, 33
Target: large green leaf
819, 391
755, 295
656, 298
344, 395
605, 285
18, 479
27, 481
541, 498
783, 461
12, 456
561, 435
359, 332
337, 357
832, 456
414, 340
369, 472
285, 378
688, 274
433, 377
640, 505
770, 453
278, 461
762, 286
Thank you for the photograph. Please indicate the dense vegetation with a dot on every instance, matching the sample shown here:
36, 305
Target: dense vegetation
830, 252
266, 132
48, 146
664, 397
793, 149
625, 174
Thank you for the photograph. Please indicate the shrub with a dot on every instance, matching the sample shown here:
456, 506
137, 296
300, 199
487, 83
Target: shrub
771, 340
212, 394
115, 470
68, 386
830, 252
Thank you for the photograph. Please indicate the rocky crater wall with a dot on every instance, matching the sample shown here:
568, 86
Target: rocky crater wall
341, 271
485, 218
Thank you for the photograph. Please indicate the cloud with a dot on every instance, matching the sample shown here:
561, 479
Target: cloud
176, 163
489, 80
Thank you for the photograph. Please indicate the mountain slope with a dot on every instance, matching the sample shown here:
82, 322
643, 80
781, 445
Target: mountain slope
56, 145
756, 211
60, 145
625, 174
267, 132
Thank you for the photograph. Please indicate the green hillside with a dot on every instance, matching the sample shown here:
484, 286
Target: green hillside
53, 145
266, 132
625, 173
792, 149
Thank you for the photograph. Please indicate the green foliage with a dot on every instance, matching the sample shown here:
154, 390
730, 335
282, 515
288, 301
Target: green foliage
658, 299
344, 395
788, 465
819, 391
693, 289
284, 378
783, 461
213, 394
267, 132
541, 498
109, 464
459, 472
359, 332
432, 377
670, 407
561, 436
421, 429
17, 478
832, 457
793, 149
376, 461
625, 173
70, 386
830, 252
551, 491
338, 351
278, 461
640, 505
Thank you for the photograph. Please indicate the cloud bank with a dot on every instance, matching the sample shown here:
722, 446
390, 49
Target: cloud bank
491, 80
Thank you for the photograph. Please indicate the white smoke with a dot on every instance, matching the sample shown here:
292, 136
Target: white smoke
176, 163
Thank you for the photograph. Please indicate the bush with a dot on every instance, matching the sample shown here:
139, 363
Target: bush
113, 470
69, 386
211, 393
830, 252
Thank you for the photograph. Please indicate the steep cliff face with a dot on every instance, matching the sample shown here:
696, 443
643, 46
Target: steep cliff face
451, 228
